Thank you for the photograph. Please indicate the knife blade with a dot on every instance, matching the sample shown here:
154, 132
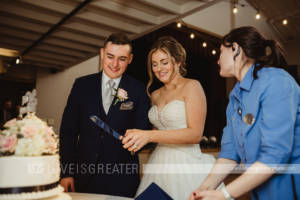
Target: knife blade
106, 127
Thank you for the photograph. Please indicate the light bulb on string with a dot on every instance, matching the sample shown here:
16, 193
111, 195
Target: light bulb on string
257, 16
285, 22
214, 52
192, 36
234, 10
179, 24
204, 44
18, 60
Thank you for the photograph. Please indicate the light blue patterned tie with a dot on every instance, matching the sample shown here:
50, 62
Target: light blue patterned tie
108, 95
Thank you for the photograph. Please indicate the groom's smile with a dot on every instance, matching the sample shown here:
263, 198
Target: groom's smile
115, 59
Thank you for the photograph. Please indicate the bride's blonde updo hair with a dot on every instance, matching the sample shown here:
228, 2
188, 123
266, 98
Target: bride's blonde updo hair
173, 49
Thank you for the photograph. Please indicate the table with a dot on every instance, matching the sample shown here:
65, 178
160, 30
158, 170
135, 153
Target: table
86, 196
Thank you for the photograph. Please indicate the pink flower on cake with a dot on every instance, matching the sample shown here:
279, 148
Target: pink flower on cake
121, 95
50, 131
8, 143
52, 146
28, 131
50, 140
28, 136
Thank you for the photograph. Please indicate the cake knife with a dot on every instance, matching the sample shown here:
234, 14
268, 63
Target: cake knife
106, 127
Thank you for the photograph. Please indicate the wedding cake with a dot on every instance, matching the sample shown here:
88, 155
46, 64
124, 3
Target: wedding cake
29, 161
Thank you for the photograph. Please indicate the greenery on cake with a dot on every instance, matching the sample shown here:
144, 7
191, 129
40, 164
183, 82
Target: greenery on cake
29, 136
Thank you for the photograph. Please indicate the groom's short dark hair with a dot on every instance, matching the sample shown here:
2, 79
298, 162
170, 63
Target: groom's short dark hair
118, 38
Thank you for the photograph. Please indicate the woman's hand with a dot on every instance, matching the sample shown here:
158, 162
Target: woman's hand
135, 139
208, 195
201, 188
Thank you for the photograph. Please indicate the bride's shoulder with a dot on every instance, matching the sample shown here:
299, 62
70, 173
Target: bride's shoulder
193, 88
191, 84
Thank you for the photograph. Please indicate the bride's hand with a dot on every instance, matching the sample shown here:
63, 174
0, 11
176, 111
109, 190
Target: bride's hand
135, 139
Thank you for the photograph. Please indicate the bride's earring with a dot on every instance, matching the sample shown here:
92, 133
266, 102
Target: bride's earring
177, 68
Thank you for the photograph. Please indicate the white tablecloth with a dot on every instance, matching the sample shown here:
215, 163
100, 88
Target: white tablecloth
86, 196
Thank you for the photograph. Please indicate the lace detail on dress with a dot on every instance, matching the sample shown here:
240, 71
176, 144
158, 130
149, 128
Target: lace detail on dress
172, 116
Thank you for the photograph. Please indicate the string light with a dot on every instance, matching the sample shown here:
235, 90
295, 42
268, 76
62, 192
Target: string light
179, 24
192, 36
234, 10
18, 60
285, 22
257, 16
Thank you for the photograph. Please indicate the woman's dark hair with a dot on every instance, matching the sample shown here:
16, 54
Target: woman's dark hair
255, 47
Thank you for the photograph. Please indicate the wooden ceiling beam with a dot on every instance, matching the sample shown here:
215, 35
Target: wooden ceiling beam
70, 44
29, 35
35, 63
44, 60
26, 35
165, 5
9, 52
17, 22
52, 56
83, 38
84, 26
129, 12
52, 40
63, 51
109, 21
87, 15
10, 39
30, 12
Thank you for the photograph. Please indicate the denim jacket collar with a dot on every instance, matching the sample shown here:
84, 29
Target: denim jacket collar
248, 79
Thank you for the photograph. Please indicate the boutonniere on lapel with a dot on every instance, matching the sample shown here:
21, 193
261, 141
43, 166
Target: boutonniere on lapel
120, 95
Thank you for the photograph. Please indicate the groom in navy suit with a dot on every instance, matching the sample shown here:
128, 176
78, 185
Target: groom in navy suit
93, 161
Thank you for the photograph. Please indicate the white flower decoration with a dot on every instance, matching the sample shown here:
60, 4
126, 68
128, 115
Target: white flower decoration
121, 95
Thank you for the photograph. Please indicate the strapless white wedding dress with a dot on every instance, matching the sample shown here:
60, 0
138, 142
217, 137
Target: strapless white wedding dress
177, 169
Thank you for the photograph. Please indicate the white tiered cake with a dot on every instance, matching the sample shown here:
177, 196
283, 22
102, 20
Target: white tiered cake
29, 162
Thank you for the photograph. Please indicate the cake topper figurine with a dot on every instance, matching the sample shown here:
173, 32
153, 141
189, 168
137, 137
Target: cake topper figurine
29, 103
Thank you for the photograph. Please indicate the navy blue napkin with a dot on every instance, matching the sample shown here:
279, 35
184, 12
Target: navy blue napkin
152, 192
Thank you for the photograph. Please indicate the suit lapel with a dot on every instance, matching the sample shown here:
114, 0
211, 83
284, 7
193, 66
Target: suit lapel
99, 96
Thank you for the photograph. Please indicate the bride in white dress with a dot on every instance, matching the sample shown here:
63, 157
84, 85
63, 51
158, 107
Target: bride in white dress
178, 112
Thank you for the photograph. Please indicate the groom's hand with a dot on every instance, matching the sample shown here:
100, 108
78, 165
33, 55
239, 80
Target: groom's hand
68, 184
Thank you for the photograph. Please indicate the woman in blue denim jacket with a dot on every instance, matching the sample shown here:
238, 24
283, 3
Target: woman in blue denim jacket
263, 122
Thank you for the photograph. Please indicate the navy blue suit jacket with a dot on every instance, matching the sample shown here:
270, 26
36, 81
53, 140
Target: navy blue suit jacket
96, 160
